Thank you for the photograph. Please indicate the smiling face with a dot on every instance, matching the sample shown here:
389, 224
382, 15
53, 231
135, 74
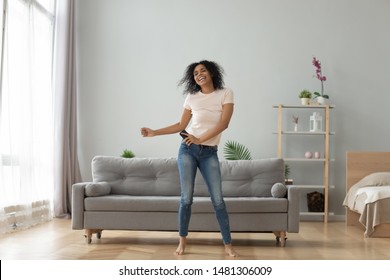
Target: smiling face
203, 77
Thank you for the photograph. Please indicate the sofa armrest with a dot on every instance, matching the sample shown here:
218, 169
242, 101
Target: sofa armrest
293, 196
78, 195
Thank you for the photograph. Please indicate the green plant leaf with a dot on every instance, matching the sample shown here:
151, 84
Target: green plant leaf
305, 94
127, 154
317, 94
236, 151
286, 171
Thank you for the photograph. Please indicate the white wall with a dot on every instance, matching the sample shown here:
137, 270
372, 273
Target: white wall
131, 54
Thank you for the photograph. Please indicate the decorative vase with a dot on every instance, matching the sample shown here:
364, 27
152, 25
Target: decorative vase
322, 100
308, 154
317, 155
295, 127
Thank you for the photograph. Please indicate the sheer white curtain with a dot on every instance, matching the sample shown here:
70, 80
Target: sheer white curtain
26, 114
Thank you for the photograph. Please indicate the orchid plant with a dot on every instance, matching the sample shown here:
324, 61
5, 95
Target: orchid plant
322, 78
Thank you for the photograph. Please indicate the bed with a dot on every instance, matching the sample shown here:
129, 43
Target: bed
367, 199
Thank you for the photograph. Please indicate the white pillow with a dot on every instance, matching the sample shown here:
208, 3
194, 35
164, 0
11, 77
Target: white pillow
97, 189
376, 179
279, 190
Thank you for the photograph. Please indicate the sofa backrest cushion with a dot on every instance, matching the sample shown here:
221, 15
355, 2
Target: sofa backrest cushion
251, 177
160, 176
138, 176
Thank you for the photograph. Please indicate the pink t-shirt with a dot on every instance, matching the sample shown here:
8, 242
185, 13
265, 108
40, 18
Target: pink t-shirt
206, 112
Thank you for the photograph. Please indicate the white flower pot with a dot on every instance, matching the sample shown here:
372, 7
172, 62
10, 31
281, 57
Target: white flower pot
305, 101
322, 100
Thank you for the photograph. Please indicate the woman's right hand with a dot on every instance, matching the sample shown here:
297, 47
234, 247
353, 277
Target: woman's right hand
147, 132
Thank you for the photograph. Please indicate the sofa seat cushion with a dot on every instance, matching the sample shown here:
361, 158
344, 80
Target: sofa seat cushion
126, 203
256, 205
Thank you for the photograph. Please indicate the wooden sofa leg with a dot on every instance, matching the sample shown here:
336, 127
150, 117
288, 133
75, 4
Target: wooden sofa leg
283, 239
280, 238
88, 235
89, 232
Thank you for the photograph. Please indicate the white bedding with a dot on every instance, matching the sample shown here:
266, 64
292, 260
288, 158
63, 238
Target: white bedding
370, 197
375, 186
374, 193
357, 197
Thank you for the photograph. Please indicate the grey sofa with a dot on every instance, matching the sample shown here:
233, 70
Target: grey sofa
144, 194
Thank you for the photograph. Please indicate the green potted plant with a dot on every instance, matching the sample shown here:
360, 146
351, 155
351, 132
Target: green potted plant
236, 151
127, 154
305, 96
287, 180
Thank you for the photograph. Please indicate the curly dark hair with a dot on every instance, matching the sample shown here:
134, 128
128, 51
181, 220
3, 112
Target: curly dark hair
188, 81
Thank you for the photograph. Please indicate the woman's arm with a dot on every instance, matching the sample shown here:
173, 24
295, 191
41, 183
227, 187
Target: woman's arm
227, 112
175, 128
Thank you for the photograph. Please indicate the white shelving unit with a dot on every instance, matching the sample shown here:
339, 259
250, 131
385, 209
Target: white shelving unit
323, 161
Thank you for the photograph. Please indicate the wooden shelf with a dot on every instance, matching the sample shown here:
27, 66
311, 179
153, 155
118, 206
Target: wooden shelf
326, 133
313, 186
310, 186
313, 213
307, 159
304, 159
304, 106
304, 133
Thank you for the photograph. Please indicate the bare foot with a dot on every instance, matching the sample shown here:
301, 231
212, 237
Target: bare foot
182, 246
230, 251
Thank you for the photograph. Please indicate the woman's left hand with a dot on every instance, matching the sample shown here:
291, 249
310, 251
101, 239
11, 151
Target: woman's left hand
191, 139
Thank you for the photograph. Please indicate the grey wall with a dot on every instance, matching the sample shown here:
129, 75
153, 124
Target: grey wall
131, 54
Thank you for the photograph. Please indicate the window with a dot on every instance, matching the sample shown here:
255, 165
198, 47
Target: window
26, 112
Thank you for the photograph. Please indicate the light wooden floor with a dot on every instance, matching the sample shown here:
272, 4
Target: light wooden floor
56, 240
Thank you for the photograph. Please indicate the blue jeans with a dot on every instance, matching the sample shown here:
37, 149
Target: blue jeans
206, 159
